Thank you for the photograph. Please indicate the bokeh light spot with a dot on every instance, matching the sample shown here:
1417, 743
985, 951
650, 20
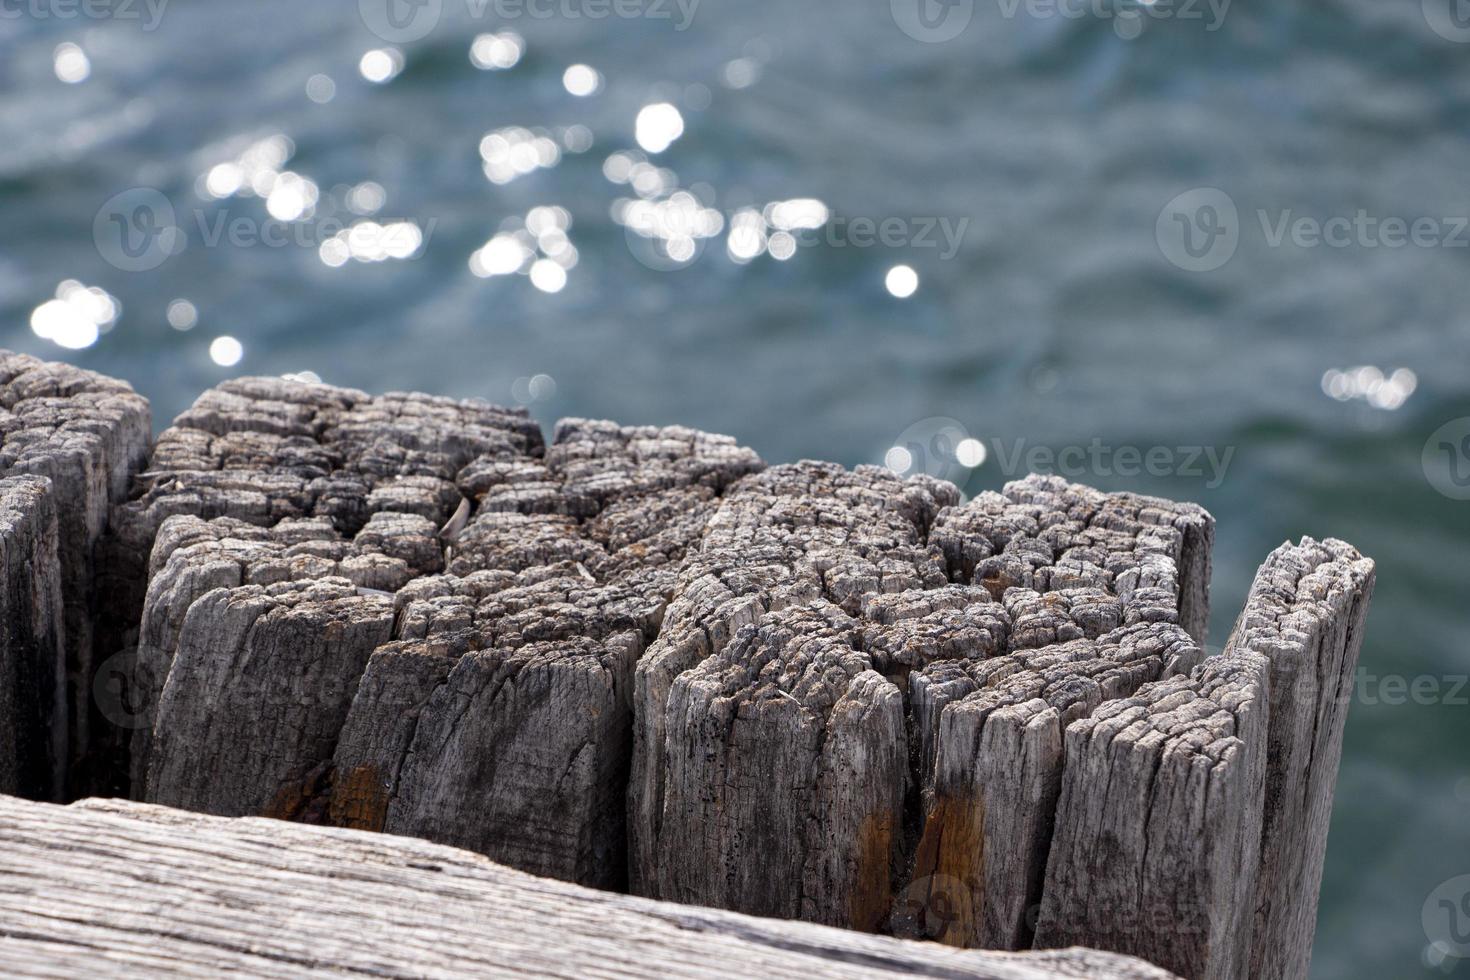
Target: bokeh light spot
902, 281
226, 351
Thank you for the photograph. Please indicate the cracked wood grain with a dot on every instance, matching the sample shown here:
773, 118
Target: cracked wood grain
86, 435
756, 679
997, 727
32, 662
1045, 534
634, 658
1305, 614
137, 891
1158, 829
502, 719
491, 596
976, 634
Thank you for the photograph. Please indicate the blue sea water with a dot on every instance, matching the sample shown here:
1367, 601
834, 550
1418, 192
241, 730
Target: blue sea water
386, 213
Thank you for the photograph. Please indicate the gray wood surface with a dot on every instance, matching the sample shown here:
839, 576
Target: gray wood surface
303, 507
509, 695
33, 727
965, 638
635, 658
1103, 593
997, 726
87, 434
1045, 534
1158, 827
432, 618
115, 889
756, 692
1305, 614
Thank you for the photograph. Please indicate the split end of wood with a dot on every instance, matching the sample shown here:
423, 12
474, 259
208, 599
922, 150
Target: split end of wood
640, 659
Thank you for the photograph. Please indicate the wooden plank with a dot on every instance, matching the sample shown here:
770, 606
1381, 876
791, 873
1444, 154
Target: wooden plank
135, 891
87, 434
1305, 614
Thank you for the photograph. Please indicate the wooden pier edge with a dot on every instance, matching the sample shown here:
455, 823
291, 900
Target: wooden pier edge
120, 889
639, 659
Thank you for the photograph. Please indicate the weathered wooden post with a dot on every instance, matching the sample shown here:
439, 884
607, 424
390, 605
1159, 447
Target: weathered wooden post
305, 502
517, 665
1233, 770
1104, 593
638, 659
435, 619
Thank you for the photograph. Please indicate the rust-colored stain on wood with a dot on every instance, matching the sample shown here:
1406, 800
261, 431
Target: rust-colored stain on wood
996, 585
303, 800
948, 884
360, 799
872, 897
